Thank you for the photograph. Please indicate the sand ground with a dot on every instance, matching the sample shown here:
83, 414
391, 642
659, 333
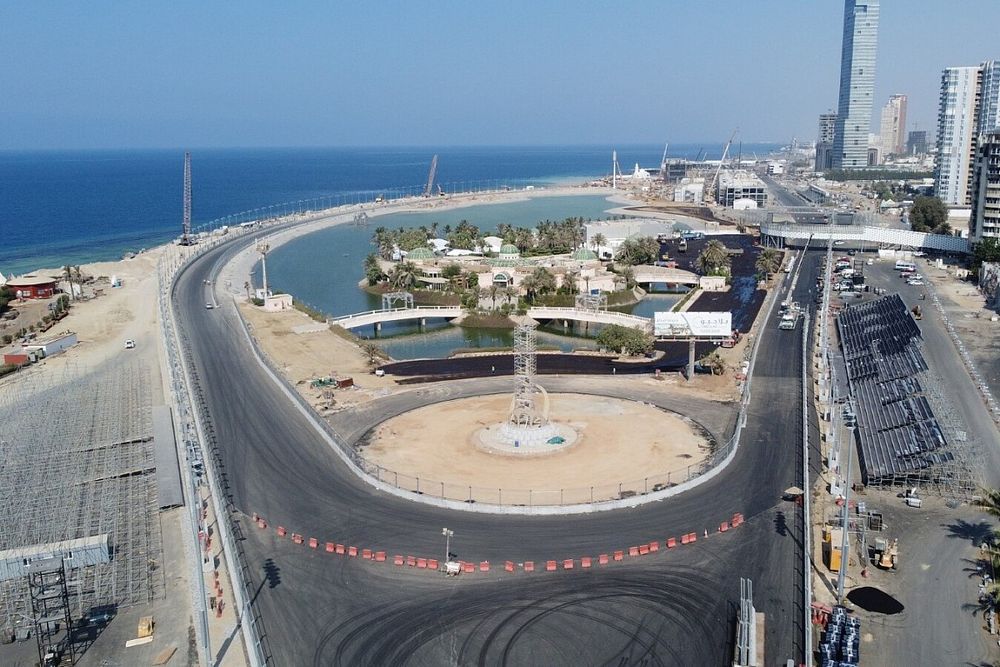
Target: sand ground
618, 441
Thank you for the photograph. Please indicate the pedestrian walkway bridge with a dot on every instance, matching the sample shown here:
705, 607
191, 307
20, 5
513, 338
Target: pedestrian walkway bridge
380, 317
591, 317
662, 274
784, 232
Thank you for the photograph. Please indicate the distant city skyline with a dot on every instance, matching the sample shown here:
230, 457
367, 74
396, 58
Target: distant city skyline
308, 74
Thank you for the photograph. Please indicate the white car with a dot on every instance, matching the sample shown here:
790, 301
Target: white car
914, 281
129, 344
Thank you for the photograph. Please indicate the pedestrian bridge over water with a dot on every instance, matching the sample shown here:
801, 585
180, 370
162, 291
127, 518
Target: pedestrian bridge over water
377, 318
662, 274
876, 236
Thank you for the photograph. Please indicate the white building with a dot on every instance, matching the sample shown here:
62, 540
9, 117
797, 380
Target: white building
690, 191
893, 126
857, 84
736, 185
985, 219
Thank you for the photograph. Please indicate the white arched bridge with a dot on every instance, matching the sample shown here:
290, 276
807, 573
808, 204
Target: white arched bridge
377, 318
784, 232
662, 274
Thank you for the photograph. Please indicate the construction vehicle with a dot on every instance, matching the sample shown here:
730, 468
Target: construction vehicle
917, 314
886, 555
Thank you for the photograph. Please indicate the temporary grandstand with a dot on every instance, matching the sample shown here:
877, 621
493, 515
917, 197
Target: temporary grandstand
906, 433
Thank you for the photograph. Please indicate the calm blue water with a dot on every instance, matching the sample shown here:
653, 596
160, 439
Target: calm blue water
71, 207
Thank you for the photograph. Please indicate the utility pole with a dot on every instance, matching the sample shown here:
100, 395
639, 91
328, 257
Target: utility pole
447, 543
263, 248
845, 517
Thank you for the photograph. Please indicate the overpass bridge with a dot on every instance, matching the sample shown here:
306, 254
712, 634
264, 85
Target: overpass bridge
380, 317
662, 274
781, 233
591, 317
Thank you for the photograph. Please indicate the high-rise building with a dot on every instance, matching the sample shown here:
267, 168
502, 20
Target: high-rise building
916, 142
824, 141
893, 126
969, 106
985, 219
857, 84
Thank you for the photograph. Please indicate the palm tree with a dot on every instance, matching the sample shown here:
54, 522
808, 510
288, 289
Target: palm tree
246, 286
492, 290
570, 279
768, 262
713, 258
69, 279
597, 241
372, 351
403, 275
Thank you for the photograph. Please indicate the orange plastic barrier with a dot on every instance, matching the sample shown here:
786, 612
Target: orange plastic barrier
380, 556
313, 543
352, 551
654, 546
411, 561
432, 564
261, 523
484, 566
737, 520
633, 551
281, 531
397, 560
550, 565
508, 566
568, 564
643, 549
329, 547
255, 516
468, 567
619, 555
340, 549
671, 542
529, 566
692, 537
602, 559
296, 538
685, 538
367, 554
724, 526
422, 563
585, 561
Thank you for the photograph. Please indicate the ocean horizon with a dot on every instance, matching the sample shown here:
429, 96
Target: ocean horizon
62, 207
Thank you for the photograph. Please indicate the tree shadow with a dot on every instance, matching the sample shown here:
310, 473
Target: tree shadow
977, 533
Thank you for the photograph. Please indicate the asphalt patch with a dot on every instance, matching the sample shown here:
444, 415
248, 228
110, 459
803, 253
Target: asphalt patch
875, 600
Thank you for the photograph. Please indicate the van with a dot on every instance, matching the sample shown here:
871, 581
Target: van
129, 344
903, 265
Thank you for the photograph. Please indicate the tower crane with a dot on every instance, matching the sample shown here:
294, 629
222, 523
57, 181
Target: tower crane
430, 177
186, 223
710, 190
663, 162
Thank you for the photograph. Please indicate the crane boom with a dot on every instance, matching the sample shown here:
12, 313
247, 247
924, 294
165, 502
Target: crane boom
710, 191
186, 222
430, 177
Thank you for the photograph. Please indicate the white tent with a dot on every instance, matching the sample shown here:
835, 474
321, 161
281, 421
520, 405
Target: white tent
3, 281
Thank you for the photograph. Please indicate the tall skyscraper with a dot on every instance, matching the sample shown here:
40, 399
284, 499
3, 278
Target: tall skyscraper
969, 106
824, 141
893, 126
985, 219
916, 143
857, 84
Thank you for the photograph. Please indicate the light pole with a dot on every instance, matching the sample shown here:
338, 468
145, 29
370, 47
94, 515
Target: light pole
447, 543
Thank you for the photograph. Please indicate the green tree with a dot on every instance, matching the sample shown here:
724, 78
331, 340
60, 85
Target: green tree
625, 340
403, 276
714, 259
929, 214
597, 241
768, 262
570, 279
987, 250
373, 272
642, 250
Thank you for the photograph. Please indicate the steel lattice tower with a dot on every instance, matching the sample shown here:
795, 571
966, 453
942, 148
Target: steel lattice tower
524, 410
186, 237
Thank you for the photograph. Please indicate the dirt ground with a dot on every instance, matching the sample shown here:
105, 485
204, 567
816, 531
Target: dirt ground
315, 353
618, 440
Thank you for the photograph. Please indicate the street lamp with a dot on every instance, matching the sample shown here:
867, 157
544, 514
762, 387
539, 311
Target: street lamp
447, 543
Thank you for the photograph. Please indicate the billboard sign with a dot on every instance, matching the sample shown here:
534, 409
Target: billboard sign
701, 325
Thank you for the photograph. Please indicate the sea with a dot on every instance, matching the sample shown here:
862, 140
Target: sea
74, 207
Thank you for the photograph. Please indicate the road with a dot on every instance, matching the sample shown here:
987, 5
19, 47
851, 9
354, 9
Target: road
671, 608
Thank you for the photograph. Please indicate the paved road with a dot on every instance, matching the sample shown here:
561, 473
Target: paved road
671, 609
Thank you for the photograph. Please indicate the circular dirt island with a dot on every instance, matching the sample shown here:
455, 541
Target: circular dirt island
620, 448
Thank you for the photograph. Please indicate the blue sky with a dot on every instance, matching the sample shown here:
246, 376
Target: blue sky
297, 73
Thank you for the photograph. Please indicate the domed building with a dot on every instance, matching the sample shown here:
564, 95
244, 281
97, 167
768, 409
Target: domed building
420, 254
584, 255
509, 253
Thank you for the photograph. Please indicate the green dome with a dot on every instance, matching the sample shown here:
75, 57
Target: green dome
584, 254
509, 249
420, 253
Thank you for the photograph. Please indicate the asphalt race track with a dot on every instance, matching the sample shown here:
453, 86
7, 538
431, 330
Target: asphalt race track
667, 608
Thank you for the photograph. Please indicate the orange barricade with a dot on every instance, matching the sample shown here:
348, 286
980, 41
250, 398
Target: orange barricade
671, 542
340, 549
737, 519
468, 567
432, 564
411, 561
685, 538
380, 556
281, 531
313, 542
352, 551
654, 546
633, 551
296, 538
643, 549
568, 564
550, 565
585, 561
261, 523
724, 526
397, 560
366, 554
422, 563
529, 566
508, 566
602, 559
692, 537
619, 555
329, 547
255, 516
484, 566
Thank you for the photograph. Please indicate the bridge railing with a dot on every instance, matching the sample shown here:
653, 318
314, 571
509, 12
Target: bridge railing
379, 311
580, 311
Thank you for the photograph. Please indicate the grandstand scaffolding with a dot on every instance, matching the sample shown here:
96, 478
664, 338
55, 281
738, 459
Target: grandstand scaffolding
76, 461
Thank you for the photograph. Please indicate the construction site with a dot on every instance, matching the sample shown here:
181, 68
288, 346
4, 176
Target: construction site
79, 538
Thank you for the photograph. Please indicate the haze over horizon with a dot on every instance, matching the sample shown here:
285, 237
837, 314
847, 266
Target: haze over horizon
306, 74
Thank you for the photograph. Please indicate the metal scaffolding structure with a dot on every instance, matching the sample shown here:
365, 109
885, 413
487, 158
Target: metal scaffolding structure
390, 299
76, 460
524, 408
595, 302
